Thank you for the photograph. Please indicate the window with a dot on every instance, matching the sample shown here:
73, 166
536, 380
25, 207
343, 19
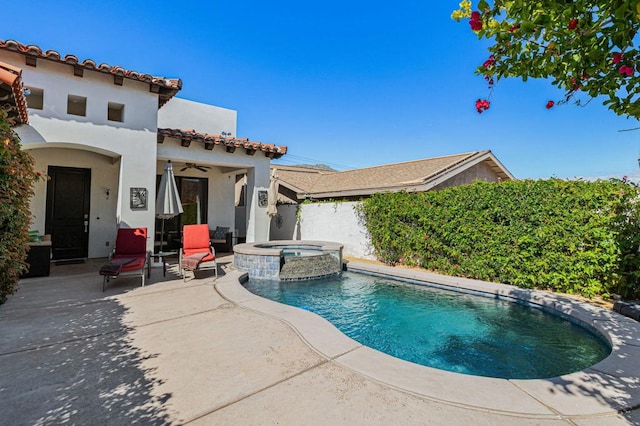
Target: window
115, 112
77, 105
35, 98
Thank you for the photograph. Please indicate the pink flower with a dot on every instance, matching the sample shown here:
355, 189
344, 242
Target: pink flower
617, 57
476, 25
482, 105
489, 62
426, 236
456, 266
550, 104
626, 70
476, 21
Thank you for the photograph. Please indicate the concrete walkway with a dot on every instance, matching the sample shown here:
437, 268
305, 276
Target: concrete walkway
181, 353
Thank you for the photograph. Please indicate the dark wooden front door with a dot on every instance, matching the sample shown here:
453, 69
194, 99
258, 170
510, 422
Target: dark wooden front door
67, 221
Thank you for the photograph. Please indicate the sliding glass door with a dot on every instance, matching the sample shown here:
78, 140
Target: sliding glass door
193, 193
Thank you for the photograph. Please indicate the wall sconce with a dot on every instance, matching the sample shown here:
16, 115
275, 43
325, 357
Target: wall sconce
107, 192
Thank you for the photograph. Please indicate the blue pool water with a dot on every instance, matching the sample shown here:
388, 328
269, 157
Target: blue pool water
444, 329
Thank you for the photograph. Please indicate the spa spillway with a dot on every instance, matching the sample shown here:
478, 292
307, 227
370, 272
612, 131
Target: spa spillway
288, 259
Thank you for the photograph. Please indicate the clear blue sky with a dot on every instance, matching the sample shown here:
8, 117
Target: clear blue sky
346, 83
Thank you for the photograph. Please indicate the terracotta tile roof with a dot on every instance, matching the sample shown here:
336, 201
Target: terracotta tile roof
389, 177
230, 144
166, 87
12, 97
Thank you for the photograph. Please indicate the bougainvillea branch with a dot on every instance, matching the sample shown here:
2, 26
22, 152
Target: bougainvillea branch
586, 47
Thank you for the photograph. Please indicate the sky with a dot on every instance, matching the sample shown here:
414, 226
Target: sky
349, 84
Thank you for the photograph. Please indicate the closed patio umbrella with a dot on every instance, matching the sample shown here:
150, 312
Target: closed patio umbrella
168, 203
273, 195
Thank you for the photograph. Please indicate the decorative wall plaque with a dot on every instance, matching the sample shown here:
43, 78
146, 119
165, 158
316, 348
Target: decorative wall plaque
138, 198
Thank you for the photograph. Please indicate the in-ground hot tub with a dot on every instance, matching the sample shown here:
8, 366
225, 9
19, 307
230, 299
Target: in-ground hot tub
288, 259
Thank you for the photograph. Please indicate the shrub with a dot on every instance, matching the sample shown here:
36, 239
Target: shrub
568, 236
16, 187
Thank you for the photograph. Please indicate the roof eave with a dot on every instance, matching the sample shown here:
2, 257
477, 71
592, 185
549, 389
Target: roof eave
166, 88
209, 140
11, 76
366, 191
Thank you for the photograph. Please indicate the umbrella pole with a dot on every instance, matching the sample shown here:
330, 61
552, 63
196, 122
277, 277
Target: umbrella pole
161, 236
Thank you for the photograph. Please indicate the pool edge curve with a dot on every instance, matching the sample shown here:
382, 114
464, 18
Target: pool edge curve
609, 387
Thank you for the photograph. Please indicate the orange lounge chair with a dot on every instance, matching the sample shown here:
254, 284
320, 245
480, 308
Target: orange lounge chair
196, 252
129, 257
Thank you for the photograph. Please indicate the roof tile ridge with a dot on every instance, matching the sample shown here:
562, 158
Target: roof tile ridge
69, 59
468, 154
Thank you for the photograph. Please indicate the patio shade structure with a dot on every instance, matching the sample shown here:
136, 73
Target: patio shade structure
273, 194
168, 203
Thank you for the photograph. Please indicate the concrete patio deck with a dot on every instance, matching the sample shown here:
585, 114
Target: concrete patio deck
209, 353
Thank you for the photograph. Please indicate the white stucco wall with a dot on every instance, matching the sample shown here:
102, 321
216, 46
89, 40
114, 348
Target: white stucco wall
336, 222
284, 225
131, 143
57, 81
257, 219
184, 114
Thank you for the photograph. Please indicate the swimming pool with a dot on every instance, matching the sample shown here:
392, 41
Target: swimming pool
444, 329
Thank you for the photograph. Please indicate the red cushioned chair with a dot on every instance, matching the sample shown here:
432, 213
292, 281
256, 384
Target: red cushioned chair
196, 252
129, 257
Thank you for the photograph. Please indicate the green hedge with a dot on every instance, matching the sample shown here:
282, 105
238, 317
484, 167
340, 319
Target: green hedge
568, 236
16, 187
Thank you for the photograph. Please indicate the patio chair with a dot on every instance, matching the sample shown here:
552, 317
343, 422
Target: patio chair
221, 239
196, 252
129, 256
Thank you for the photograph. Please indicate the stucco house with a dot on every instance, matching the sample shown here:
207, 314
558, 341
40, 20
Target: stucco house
103, 134
298, 183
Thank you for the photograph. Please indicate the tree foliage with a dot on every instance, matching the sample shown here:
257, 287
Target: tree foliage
568, 236
587, 47
16, 187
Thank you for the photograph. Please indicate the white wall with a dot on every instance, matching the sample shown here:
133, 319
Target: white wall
284, 225
183, 114
257, 219
57, 81
337, 222
131, 143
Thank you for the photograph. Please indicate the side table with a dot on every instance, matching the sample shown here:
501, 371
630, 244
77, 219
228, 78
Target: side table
162, 257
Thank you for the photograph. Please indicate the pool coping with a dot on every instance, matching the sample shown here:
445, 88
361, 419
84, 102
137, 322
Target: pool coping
607, 388
275, 247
